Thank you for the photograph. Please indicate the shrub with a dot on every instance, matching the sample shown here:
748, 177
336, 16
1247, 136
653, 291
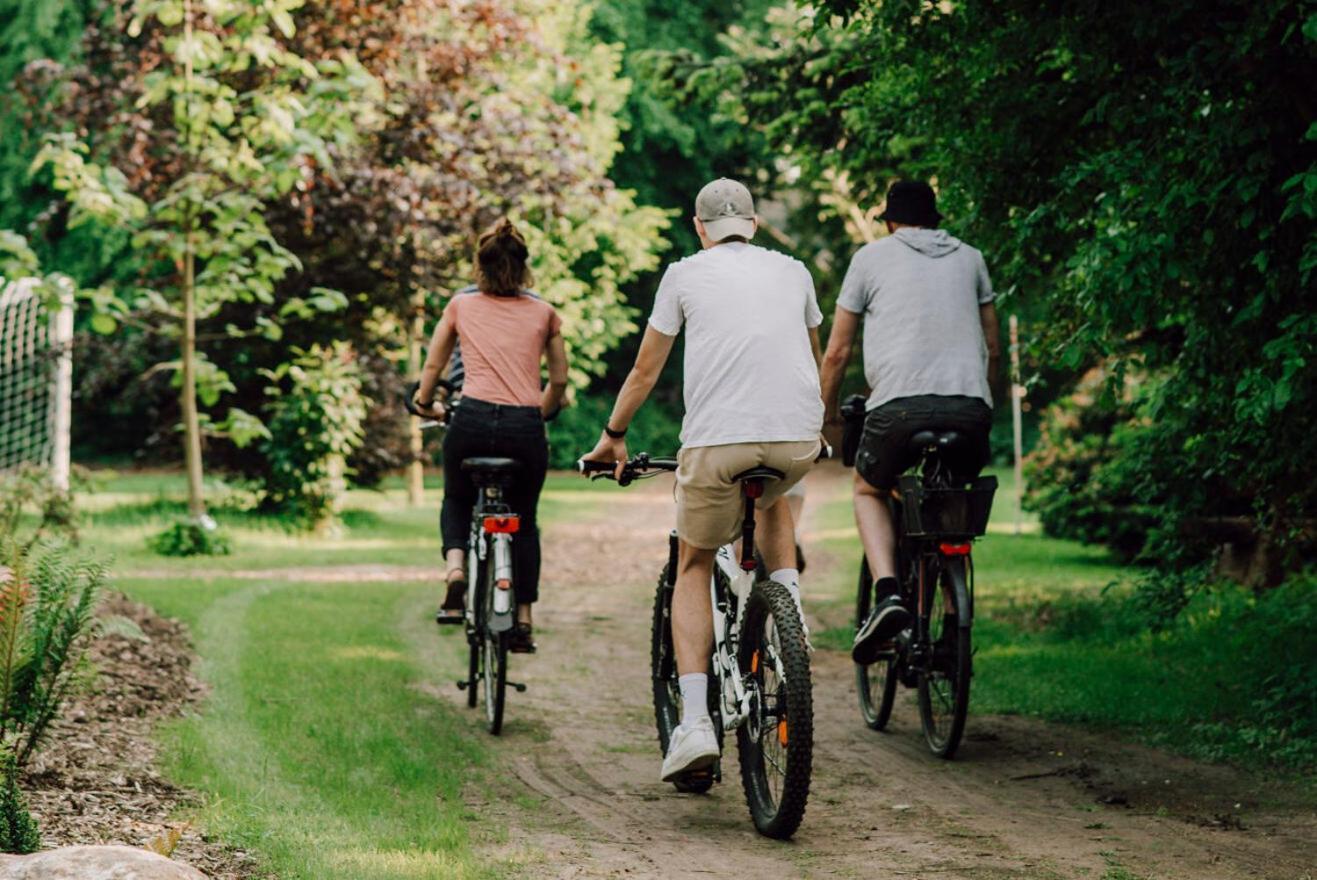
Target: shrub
315, 418
1082, 479
29, 498
190, 538
48, 600
18, 830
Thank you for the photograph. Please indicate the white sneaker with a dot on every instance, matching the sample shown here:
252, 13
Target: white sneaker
692, 747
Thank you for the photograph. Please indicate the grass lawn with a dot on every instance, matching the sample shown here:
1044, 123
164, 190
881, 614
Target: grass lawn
1056, 636
323, 746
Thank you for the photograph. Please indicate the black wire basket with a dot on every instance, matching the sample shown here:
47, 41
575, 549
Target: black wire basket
958, 512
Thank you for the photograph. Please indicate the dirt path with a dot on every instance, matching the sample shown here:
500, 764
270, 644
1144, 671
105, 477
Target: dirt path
1023, 800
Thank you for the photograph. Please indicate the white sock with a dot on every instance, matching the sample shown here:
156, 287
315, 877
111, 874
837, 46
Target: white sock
790, 578
694, 696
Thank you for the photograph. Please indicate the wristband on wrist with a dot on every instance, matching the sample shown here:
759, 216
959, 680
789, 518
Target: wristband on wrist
616, 435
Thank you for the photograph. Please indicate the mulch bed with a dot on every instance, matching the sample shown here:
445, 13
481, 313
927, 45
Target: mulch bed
95, 780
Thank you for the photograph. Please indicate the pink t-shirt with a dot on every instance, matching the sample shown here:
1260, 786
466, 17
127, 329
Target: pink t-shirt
503, 339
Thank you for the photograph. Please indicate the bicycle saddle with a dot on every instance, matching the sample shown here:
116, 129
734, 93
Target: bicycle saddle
942, 441
490, 465
759, 473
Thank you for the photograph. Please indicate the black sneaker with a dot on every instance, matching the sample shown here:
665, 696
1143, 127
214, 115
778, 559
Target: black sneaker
885, 623
522, 640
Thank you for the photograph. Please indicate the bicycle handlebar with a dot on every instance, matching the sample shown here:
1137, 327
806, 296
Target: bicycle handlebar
632, 469
643, 465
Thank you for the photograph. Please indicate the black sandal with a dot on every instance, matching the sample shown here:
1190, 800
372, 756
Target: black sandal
453, 610
521, 641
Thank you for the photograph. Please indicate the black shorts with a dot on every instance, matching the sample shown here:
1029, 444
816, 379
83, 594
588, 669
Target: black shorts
885, 444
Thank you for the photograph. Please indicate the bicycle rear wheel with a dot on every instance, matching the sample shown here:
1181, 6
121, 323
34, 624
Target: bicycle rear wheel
495, 660
667, 691
945, 675
876, 682
776, 742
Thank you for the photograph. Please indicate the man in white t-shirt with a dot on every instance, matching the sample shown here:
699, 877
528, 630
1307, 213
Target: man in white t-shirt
752, 399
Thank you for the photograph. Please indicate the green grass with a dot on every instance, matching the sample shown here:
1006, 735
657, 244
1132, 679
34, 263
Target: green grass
1057, 637
323, 746
127, 509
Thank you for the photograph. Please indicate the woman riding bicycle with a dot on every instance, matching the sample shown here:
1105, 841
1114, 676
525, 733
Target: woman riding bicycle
506, 334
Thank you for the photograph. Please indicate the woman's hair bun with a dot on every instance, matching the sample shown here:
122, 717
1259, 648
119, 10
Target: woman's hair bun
501, 256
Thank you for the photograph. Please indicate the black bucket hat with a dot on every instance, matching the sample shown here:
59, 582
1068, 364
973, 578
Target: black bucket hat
911, 202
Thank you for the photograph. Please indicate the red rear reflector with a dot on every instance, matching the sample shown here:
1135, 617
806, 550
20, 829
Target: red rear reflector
954, 549
502, 525
503, 584
754, 489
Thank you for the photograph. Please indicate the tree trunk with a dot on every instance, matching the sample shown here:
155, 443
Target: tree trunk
196, 501
416, 470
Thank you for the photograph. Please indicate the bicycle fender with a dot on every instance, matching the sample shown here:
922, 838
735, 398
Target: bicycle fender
957, 570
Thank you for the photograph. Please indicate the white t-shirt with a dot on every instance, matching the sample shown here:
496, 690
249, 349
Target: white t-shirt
750, 375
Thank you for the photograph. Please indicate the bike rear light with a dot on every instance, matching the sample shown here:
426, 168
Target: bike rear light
503, 584
503, 525
954, 549
754, 489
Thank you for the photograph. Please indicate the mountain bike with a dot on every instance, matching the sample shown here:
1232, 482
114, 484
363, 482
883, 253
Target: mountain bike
937, 518
490, 605
760, 665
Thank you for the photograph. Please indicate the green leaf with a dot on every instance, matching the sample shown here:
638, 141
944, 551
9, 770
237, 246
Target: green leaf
103, 324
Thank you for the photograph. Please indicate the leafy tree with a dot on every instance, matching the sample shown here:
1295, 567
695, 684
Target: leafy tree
243, 119
1143, 176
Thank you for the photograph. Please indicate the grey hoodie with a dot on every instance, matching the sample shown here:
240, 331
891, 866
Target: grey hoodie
920, 291
929, 242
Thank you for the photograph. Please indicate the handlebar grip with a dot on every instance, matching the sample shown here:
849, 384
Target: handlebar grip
595, 467
408, 397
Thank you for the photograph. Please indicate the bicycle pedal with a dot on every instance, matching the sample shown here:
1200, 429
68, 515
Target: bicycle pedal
461, 684
520, 688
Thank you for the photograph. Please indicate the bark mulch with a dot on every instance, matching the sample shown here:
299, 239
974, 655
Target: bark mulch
95, 780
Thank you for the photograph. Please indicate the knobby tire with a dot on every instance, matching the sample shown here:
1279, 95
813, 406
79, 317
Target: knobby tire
777, 816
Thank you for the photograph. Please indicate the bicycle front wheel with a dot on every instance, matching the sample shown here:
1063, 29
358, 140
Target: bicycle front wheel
945, 674
876, 682
776, 741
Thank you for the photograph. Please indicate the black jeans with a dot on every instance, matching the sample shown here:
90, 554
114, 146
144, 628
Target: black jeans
885, 444
490, 429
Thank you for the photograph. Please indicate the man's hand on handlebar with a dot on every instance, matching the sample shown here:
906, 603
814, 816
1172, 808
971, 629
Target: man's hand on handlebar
609, 449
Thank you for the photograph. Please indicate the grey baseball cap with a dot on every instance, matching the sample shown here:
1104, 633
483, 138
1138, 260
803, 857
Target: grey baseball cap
725, 207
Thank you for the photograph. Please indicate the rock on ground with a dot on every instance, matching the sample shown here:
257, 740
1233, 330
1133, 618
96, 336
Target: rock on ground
95, 863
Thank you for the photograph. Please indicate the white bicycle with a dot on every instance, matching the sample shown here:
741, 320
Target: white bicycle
760, 663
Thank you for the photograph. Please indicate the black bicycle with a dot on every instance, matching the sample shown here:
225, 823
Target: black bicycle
490, 603
759, 676
937, 519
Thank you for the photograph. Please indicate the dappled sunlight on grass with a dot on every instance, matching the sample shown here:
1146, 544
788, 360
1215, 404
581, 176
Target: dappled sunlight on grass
401, 864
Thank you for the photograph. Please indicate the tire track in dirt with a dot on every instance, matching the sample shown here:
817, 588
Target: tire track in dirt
580, 797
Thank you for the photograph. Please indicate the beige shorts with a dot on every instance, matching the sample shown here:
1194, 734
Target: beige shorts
709, 503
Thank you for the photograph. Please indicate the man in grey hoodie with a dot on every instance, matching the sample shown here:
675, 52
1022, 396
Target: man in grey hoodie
930, 348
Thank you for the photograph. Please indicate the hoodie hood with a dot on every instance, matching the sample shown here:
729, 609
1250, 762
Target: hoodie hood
929, 242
